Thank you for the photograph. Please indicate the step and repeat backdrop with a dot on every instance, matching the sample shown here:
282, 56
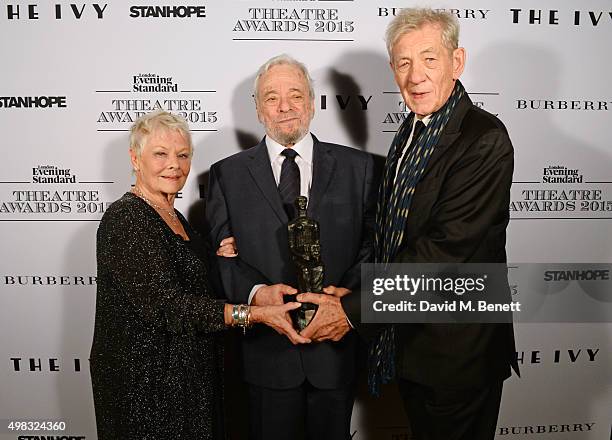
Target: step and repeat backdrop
75, 75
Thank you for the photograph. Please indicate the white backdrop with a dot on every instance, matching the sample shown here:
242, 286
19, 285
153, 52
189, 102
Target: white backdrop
544, 72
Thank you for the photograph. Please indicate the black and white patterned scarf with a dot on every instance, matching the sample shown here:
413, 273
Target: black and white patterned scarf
394, 199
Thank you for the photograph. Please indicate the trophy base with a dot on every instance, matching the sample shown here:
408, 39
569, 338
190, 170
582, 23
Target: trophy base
302, 316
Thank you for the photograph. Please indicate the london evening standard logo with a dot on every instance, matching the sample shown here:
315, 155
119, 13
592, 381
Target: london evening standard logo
300, 23
52, 174
561, 191
151, 82
149, 92
53, 193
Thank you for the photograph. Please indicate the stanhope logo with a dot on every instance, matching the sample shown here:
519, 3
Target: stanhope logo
577, 275
168, 11
32, 101
51, 437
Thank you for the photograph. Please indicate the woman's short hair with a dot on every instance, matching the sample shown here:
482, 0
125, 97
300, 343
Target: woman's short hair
411, 19
279, 60
157, 120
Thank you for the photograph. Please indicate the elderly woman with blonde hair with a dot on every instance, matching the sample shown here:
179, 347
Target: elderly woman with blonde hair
156, 358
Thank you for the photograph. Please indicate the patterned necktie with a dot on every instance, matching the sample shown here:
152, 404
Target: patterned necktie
289, 183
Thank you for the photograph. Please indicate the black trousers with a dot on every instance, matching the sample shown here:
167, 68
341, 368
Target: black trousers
443, 414
298, 413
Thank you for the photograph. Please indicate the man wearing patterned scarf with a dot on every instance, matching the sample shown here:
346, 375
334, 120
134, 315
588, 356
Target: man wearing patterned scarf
444, 199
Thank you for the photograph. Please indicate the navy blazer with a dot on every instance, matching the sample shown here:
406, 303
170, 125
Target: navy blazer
244, 202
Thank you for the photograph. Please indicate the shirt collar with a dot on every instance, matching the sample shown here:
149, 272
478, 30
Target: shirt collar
303, 147
425, 120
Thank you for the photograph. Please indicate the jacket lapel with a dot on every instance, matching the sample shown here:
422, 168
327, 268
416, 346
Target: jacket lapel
261, 171
323, 165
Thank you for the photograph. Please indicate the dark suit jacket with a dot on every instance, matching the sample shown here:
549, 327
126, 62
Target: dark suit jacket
243, 201
459, 213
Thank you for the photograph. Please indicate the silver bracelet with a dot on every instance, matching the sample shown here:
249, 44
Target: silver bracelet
241, 316
234, 315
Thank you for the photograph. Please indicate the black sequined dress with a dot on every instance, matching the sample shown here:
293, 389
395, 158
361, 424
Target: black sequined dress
156, 359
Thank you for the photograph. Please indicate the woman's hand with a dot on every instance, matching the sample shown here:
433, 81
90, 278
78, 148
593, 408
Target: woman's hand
227, 248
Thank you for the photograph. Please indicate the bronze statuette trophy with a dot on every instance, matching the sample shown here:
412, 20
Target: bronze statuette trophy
305, 247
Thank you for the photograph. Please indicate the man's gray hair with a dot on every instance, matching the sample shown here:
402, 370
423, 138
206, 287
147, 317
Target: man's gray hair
411, 19
280, 60
153, 121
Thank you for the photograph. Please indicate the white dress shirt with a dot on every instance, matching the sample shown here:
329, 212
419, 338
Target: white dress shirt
425, 121
303, 160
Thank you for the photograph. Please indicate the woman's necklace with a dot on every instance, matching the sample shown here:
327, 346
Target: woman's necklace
173, 216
